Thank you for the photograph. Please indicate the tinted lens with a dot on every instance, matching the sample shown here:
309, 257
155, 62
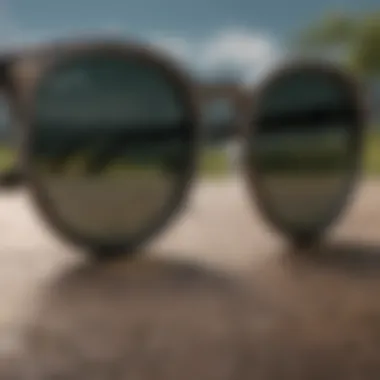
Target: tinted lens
302, 147
111, 145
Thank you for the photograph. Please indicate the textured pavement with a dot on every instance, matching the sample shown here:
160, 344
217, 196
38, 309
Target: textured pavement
218, 296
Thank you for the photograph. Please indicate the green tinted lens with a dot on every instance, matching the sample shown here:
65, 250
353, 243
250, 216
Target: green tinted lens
302, 147
111, 144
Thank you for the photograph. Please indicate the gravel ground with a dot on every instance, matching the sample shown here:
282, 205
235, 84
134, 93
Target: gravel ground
218, 296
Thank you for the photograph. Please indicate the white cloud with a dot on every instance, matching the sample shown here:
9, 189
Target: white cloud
237, 48
179, 48
248, 53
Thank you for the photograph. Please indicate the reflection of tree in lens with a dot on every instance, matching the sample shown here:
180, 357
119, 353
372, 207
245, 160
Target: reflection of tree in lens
111, 144
302, 145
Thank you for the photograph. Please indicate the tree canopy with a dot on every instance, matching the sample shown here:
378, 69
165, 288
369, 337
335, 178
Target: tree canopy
355, 39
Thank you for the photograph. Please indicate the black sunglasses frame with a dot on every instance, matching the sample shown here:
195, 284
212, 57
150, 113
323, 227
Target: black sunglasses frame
20, 92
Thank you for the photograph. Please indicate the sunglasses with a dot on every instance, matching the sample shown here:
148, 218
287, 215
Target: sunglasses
109, 136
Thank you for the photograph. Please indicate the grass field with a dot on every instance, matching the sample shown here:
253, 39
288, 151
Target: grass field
371, 159
213, 162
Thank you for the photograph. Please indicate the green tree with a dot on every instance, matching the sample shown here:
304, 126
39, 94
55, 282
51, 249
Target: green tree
355, 39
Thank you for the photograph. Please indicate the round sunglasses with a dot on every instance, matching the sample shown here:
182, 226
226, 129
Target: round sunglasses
109, 135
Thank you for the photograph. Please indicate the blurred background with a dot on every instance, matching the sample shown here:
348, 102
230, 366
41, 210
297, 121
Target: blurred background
318, 313
226, 46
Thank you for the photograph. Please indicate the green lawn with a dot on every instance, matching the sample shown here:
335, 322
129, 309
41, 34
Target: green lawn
7, 157
371, 159
213, 161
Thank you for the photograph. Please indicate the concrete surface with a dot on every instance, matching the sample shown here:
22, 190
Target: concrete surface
218, 296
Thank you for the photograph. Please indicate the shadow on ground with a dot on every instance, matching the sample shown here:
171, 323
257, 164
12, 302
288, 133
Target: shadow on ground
311, 316
349, 258
147, 319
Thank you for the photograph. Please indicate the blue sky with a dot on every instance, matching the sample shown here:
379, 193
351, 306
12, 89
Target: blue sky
241, 35
195, 18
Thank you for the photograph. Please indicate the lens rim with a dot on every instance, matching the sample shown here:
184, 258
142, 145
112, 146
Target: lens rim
40, 199
252, 175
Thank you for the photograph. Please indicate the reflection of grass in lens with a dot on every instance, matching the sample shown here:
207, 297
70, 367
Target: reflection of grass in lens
77, 167
213, 162
317, 152
317, 162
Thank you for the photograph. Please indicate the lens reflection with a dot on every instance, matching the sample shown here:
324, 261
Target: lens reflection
302, 147
111, 144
